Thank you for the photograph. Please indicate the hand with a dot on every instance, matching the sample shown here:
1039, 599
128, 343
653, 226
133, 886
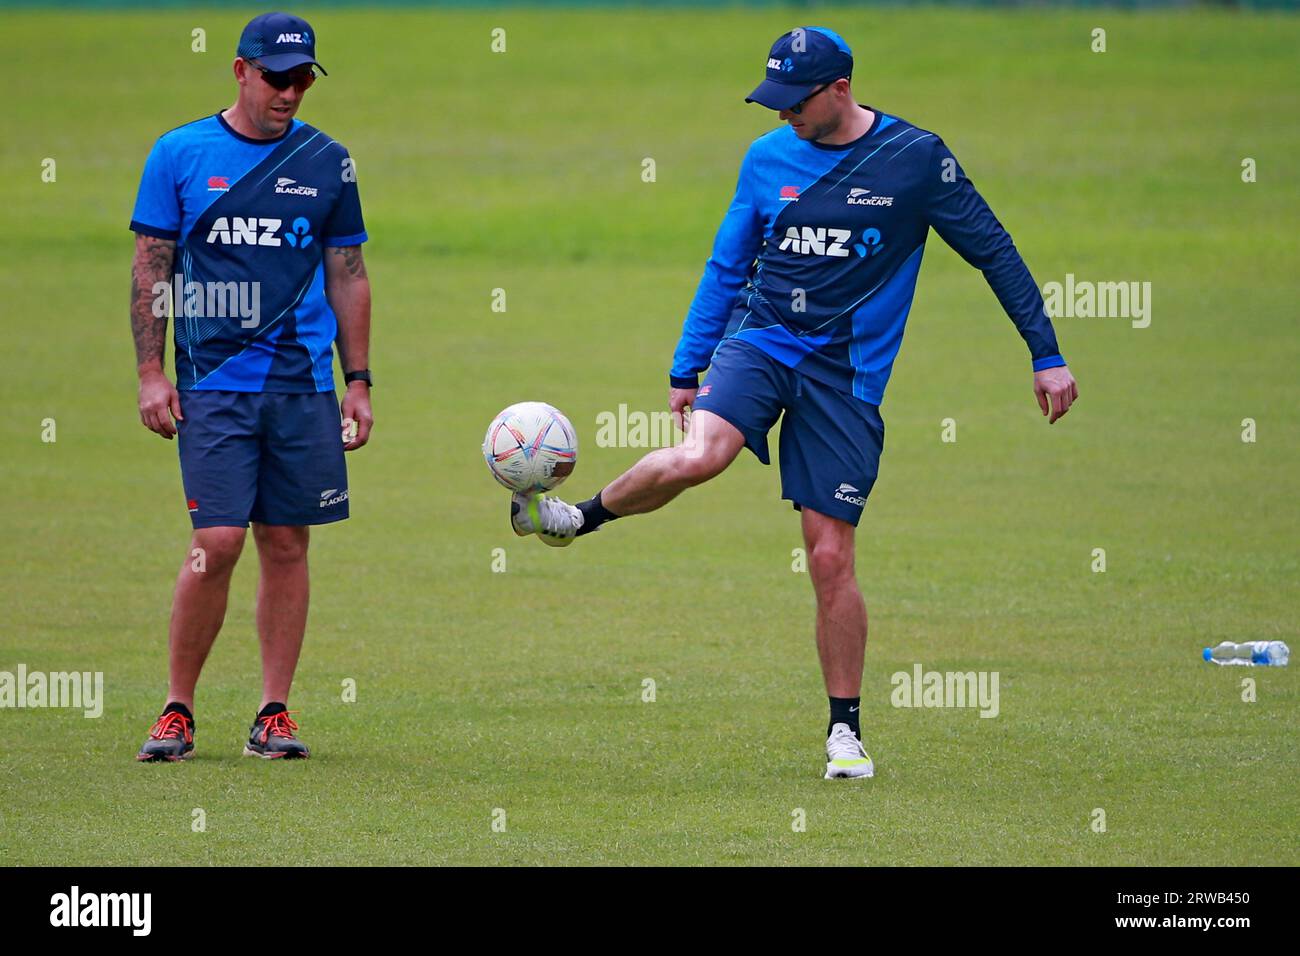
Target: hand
356, 406
159, 403
680, 401
1059, 384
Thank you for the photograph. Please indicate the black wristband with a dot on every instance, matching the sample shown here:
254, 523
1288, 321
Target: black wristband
361, 375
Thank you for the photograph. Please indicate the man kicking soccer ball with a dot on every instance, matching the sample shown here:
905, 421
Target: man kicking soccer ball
807, 290
258, 214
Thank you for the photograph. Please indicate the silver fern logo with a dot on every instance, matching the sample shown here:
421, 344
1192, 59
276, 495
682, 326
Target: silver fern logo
859, 196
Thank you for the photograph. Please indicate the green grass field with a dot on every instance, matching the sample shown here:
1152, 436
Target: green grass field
522, 690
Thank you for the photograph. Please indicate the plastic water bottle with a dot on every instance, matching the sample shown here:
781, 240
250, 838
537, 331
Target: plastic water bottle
1252, 653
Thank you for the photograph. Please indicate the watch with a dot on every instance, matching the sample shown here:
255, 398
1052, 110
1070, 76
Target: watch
361, 375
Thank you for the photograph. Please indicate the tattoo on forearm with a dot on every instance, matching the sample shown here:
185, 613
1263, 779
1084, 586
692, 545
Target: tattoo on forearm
352, 260
152, 264
348, 289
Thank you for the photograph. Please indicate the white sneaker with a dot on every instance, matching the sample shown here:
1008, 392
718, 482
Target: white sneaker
554, 521
845, 756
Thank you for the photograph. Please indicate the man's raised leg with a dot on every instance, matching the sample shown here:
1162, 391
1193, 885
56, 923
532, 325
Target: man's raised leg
711, 444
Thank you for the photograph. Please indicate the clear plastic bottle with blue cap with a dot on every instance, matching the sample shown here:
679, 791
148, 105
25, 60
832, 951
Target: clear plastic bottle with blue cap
1249, 654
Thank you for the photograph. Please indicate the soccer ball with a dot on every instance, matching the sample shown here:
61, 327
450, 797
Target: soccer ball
530, 447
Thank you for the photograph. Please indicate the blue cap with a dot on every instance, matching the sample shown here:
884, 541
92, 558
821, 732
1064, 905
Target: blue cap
798, 63
279, 41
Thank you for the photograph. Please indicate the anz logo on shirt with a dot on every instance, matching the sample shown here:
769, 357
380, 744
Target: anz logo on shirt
821, 241
256, 231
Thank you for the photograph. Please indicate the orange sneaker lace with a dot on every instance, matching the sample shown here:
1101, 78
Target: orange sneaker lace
170, 726
280, 724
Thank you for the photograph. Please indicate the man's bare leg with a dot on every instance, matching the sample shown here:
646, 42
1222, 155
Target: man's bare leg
841, 611
841, 640
712, 443
283, 590
199, 607
710, 446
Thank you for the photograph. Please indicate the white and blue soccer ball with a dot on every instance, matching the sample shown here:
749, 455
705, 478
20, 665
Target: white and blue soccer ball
530, 447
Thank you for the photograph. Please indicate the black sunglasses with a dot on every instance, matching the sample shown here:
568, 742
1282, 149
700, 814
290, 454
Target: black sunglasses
301, 80
798, 107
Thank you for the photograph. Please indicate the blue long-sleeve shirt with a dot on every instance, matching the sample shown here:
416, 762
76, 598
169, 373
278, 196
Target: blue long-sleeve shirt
817, 257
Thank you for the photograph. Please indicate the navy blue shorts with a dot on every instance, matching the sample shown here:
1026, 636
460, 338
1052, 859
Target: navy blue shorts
268, 457
830, 441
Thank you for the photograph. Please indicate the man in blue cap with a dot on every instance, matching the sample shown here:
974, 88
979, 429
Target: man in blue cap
801, 311
248, 231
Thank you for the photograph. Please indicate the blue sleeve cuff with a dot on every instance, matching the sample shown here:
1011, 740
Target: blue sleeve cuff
342, 242
155, 231
684, 381
1052, 361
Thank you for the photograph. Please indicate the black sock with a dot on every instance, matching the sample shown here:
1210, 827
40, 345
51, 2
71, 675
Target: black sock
178, 708
594, 514
844, 710
274, 707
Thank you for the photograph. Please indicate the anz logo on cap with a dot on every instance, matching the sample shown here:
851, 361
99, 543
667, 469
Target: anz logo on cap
303, 37
785, 66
